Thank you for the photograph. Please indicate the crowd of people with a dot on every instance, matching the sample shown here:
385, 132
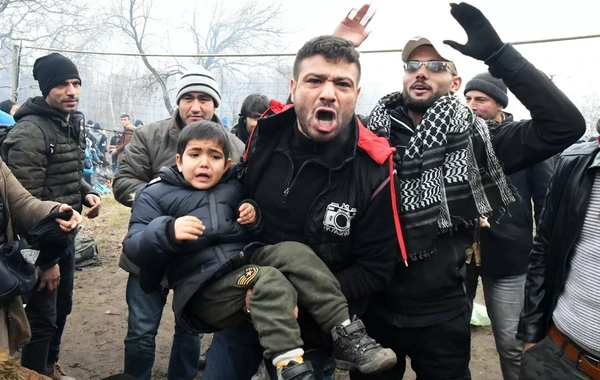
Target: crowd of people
310, 238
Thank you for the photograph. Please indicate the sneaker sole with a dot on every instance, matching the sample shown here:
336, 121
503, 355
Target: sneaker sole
386, 360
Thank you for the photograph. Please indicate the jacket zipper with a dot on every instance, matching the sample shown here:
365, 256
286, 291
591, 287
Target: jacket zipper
402, 123
289, 185
212, 202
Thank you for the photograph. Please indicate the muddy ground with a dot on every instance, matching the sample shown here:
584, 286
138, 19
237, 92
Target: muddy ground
93, 341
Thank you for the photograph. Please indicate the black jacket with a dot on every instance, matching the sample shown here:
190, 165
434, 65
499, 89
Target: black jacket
350, 220
240, 130
150, 242
435, 285
562, 219
505, 246
56, 175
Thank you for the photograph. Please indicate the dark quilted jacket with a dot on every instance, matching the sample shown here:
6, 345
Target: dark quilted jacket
150, 242
54, 174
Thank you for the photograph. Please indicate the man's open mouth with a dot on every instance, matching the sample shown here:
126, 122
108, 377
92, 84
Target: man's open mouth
325, 118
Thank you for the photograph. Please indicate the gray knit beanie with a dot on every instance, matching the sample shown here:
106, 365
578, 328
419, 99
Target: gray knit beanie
489, 85
198, 79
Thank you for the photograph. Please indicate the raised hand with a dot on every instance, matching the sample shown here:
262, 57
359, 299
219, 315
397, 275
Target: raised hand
354, 29
483, 41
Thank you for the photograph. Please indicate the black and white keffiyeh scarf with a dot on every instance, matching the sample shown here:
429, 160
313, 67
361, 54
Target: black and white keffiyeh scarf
449, 174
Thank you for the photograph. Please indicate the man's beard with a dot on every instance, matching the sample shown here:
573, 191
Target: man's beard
419, 106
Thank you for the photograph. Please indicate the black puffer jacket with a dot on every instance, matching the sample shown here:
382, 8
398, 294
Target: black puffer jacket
562, 219
55, 175
150, 242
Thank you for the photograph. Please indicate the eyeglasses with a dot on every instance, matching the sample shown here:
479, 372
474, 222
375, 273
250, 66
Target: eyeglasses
432, 66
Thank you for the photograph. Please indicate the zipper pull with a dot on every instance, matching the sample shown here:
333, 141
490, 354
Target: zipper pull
285, 194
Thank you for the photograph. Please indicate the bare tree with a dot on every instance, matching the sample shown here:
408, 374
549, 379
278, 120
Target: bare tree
249, 28
132, 18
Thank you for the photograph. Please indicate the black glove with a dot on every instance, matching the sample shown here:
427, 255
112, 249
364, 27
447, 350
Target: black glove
483, 41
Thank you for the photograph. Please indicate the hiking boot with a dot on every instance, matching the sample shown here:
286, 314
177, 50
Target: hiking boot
55, 372
296, 371
354, 349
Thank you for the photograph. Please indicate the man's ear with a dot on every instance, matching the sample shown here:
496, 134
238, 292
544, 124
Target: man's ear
292, 89
456, 82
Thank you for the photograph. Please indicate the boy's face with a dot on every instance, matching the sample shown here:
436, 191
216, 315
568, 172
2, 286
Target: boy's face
202, 163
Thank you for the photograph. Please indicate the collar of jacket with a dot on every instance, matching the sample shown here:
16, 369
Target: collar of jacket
376, 147
176, 124
596, 162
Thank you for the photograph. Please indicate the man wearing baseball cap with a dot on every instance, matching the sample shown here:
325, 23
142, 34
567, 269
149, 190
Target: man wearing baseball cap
197, 96
452, 172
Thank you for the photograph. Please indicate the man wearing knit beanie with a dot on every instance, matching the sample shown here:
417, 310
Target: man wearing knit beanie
487, 96
197, 95
45, 152
504, 247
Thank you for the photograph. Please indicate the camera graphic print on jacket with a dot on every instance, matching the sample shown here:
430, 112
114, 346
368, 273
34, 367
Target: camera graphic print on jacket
337, 218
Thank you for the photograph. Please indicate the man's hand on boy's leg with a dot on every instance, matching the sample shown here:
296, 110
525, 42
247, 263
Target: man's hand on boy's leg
247, 214
188, 228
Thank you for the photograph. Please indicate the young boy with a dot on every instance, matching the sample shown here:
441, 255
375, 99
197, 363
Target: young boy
187, 224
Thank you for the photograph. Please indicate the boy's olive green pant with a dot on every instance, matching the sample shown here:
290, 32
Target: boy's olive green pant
282, 275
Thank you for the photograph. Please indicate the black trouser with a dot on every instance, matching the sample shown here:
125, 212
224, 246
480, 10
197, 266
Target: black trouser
47, 314
436, 352
472, 281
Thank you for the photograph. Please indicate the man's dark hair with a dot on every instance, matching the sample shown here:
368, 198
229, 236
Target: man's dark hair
7, 105
332, 48
125, 115
254, 104
204, 130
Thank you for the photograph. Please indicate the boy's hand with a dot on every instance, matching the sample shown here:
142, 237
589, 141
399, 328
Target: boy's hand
247, 214
188, 228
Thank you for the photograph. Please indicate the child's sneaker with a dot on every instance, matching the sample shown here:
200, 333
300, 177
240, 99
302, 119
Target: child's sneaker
296, 371
354, 349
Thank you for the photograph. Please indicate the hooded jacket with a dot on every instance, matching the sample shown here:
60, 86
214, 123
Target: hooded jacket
56, 175
150, 242
151, 148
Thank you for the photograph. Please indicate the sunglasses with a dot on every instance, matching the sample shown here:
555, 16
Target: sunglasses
432, 66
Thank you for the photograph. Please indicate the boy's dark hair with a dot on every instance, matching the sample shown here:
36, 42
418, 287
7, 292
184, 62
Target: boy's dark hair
125, 115
332, 48
204, 130
254, 104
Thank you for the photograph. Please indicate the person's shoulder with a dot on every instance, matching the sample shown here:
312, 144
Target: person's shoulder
152, 129
582, 149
